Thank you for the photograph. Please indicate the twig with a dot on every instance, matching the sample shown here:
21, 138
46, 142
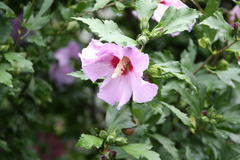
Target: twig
195, 2
213, 55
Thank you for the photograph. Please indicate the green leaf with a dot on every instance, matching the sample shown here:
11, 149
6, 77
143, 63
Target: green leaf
89, 141
211, 7
19, 62
100, 4
8, 11
139, 150
4, 145
37, 22
182, 116
172, 68
37, 39
5, 30
108, 30
168, 145
118, 119
229, 76
45, 6
145, 9
27, 10
5, 77
188, 56
78, 74
218, 23
177, 20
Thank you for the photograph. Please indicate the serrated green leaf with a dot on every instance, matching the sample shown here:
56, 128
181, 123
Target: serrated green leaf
108, 30
89, 141
178, 20
218, 23
100, 4
173, 68
37, 39
9, 12
118, 119
27, 10
182, 116
139, 150
168, 145
145, 9
188, 56
229, 76
5, 77
19, 62
78, 74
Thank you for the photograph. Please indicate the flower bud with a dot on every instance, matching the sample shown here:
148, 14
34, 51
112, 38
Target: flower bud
72, 25
235, 26
128, 131
142, 39
103, 157
222, 65
111, 139
121, 141
205, 112
113, 154
103, 134
204, 42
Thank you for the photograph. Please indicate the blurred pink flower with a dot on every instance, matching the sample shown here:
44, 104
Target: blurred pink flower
51, 147
234, 14
238, 60
58, 72
18, 31
122, 68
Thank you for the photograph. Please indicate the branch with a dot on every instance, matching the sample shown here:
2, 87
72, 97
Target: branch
213, 55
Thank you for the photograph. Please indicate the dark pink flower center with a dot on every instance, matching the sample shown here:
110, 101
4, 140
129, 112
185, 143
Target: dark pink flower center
163, 2
122, 67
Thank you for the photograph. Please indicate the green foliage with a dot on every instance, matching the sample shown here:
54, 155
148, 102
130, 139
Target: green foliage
78, 74
145, 9
178, 20
139, 150
18, 62
89, 141
107, 30
100, 4
167, 144
229, 76
5, 77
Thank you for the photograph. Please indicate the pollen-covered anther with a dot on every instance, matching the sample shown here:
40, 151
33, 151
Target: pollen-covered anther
122, 67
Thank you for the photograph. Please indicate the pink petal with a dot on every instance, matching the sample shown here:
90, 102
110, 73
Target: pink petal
139, 60
159, 12
116, 90
143, 91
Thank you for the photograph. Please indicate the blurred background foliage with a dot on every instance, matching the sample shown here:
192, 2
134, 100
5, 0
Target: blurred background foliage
43, 112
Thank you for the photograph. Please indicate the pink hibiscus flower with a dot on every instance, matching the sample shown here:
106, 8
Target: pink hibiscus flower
234, 14
163, 6
122, 68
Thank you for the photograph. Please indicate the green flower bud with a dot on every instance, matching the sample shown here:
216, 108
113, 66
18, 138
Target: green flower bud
142, 39
222, 65
121, 141
111, 139
72, 25
103, 134
204, 42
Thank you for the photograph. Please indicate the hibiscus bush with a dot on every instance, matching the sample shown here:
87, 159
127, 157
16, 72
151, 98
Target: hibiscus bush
120, 80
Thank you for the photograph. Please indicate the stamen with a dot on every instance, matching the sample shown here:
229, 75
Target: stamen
122, 67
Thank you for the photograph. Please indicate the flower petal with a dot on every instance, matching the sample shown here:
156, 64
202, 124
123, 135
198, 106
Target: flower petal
139, 60
116, 90
143, 91
96, 59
